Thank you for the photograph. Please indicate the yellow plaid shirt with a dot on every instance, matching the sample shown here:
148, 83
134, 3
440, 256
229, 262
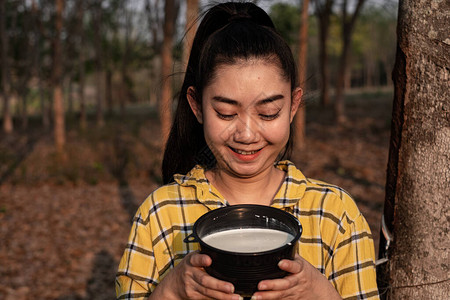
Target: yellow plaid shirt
336, 238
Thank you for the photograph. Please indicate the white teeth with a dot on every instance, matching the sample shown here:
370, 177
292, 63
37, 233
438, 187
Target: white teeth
245, 152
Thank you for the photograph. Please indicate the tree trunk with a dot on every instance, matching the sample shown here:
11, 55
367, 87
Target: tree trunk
99, 95
58, 107
70, 105
339, 105
81, 86
127, 81
348, 22
108, 91
37, 66
24, 111
154, 28
417, 201
43, 99
155, 66
190, 28
99, 63
323, 63
81, 65
165, 106
5, 84
323, 13
299, 139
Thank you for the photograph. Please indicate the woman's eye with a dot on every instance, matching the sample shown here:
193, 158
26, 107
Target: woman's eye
269, 117
225, 117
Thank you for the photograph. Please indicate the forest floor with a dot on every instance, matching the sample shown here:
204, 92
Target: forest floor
64, 221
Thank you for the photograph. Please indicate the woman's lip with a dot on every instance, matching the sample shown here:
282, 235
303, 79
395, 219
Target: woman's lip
245, 155
245, 152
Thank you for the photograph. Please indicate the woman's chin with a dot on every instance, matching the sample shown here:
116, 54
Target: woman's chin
247, 169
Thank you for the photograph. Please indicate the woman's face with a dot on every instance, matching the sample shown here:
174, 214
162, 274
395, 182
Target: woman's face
246, 112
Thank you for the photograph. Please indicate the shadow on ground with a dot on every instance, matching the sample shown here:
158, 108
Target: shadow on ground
100, 285
117, 162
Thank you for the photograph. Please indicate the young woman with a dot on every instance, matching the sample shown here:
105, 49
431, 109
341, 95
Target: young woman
230, 134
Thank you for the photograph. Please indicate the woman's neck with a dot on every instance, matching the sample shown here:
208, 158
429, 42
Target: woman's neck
259, 189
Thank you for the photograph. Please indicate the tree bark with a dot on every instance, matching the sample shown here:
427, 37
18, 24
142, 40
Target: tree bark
299, 141
418, 181
348, 22
58, 107
165, 105
5, 83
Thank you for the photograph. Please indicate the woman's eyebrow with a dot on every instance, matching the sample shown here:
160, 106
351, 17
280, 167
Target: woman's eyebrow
269, 99
258, 102
225, 100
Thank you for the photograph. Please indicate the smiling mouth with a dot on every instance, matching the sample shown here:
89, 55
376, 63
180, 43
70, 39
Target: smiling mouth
242, 152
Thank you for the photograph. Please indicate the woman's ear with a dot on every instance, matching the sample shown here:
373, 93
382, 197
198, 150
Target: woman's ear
296, 101
195, 106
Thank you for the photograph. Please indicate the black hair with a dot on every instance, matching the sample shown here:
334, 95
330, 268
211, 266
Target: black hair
228, 32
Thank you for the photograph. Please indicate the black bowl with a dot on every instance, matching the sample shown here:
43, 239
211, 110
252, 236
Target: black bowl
244, 270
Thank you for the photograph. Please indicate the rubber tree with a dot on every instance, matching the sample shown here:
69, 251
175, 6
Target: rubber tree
417, 208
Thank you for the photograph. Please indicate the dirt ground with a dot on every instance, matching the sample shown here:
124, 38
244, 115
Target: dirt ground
64, 221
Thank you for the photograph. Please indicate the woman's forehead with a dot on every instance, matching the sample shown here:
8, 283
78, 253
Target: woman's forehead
241, 62
243, 69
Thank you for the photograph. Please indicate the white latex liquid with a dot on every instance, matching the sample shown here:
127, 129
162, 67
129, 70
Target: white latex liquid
248, 240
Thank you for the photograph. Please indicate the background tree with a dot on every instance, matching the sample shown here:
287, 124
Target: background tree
286, 18
374, 45
165, 105
192, 7
97, 37
155, 25
323, 11
22, 47
126, 41
114, 61
43, 29
5, 79
348, 20
418, 181
58, 105
81, 61
302, 67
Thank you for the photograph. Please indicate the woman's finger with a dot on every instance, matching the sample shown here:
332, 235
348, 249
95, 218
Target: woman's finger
278, 284
199, 260
209, 282
269, 295
214, 294
291, 266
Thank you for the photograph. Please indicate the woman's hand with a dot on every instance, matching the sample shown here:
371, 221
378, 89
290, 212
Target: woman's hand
304, 282
188, 280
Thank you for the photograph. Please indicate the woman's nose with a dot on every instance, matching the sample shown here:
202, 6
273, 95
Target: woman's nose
246, 130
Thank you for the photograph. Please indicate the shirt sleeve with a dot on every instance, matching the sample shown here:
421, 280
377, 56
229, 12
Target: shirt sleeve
353, 267
137, 275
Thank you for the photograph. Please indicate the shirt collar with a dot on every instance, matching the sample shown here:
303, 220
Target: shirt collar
206, 193
289, 193
292, 188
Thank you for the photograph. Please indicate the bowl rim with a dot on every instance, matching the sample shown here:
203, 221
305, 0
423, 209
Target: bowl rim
195, 238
